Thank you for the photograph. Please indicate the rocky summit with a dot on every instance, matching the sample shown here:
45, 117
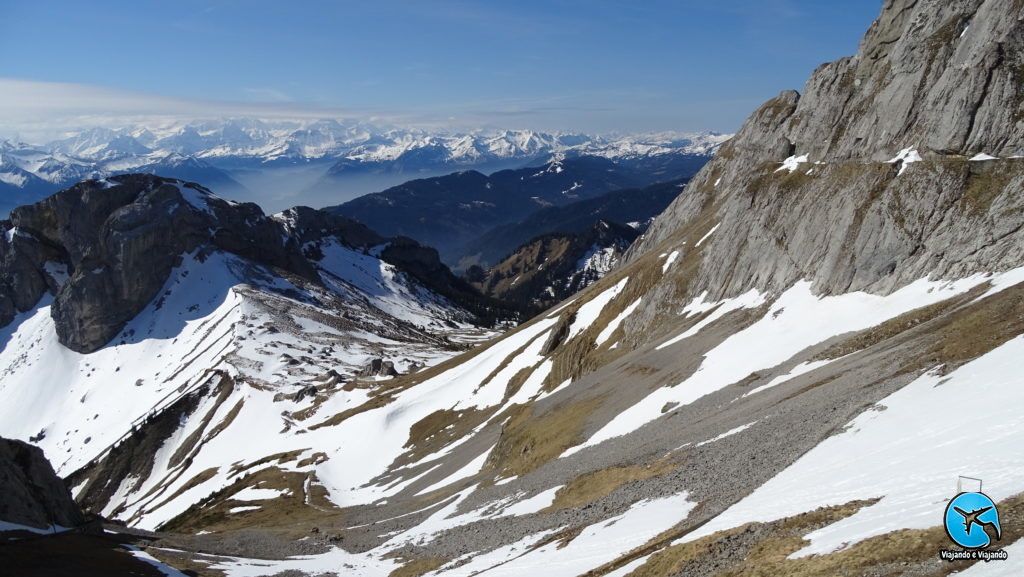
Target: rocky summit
792, 371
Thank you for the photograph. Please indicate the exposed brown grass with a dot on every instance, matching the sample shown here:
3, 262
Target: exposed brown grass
973, 331
528, 441
199, 479
897, 325
984, 185
592, 486
373, 403
279, 458
440, 428
314, 459
228, 419
224, 389
417, 567
283, 513
762, 549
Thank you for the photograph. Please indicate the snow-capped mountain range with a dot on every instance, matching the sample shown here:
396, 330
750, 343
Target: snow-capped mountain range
277, 140
234, 156
103, 150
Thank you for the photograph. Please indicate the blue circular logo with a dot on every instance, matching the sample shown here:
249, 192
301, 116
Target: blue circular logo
972, 521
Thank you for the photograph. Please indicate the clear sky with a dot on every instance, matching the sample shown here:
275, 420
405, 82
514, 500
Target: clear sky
596, 66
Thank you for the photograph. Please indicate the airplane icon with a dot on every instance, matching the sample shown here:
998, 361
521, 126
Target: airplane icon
972, 519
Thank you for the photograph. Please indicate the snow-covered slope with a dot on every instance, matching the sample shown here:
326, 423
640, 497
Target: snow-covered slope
788, 364
231, 354
786, 374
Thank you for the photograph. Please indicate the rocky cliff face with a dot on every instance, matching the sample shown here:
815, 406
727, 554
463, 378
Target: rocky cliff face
939, 82
33, 495
106, 247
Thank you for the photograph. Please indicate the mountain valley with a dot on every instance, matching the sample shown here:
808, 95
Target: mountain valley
789, 370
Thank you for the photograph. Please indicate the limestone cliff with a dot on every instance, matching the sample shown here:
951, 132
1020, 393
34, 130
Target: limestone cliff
938, 81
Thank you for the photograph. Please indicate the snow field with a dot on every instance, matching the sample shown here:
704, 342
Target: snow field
909, 452
804, 319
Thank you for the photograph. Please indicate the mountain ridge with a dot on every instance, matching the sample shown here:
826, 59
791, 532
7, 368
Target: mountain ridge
450, 212
763, 386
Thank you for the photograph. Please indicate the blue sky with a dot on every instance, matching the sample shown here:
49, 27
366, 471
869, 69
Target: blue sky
562, 64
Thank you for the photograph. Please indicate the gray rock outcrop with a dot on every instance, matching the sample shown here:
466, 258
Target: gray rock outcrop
33, 495
117, 240
943, 78
121, 237
379, 368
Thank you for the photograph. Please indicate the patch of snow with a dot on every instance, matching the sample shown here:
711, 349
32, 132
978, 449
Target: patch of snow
13, 179
58, 271
361, 565
798, 370
564, 384
533, 504
798, 319
596, 545
983, 156
196, 198
728, 433
906, 156
49, 530
598, 259
141, 555
668, 261
243, 509
256, 494
792, 163
1005, 568
531, 386
709, 233
606, 333
588, 313
471, 468
748, 300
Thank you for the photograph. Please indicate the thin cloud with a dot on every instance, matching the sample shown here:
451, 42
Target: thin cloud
37, 111
267, 94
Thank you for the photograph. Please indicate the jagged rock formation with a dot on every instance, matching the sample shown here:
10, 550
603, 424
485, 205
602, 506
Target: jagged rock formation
33, 495
118, 239
552, 267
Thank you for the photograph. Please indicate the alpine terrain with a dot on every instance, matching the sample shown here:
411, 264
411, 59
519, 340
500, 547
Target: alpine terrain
785, 374
320, 162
